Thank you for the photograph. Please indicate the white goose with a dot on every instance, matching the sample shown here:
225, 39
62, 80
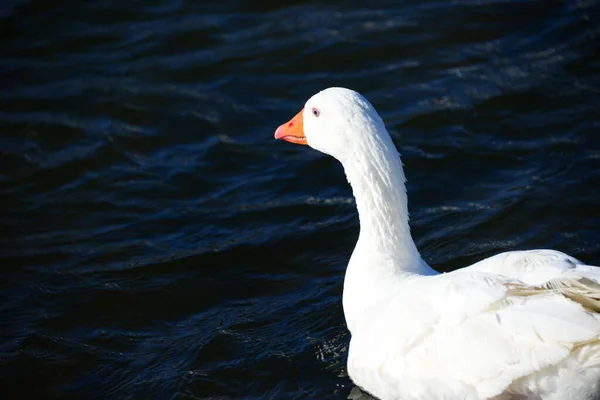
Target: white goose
518, 325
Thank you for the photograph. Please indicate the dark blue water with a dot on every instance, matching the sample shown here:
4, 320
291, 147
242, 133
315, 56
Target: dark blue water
157, 243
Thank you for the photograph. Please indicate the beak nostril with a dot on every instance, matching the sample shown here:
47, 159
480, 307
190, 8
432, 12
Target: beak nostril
292, 131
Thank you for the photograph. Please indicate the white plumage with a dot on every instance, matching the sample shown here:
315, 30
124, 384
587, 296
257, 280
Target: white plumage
518, 325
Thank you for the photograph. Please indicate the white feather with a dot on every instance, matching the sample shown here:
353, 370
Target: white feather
518, 325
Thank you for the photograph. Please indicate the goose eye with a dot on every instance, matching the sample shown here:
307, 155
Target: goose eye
316, 112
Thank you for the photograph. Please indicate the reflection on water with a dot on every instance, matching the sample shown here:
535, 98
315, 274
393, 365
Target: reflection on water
159, 244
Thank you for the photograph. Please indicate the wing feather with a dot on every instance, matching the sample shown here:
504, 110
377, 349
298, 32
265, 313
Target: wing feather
488, 329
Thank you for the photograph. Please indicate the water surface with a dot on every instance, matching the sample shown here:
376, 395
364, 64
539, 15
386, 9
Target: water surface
158, 243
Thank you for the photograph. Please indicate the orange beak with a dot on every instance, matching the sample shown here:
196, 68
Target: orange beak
293, 130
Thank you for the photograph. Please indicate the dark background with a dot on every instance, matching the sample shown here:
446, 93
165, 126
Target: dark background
156, 242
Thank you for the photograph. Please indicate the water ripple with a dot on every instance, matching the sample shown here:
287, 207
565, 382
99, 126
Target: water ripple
158, 243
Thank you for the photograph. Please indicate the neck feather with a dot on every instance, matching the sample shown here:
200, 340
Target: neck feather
385, 254
375, 172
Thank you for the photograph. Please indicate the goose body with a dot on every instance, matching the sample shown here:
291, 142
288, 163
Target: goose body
518, 325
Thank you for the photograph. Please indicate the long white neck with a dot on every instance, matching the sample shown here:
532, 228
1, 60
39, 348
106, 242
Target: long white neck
375, 173
385, 253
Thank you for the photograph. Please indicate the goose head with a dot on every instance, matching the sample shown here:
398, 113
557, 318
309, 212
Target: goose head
342, 123
335, 121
